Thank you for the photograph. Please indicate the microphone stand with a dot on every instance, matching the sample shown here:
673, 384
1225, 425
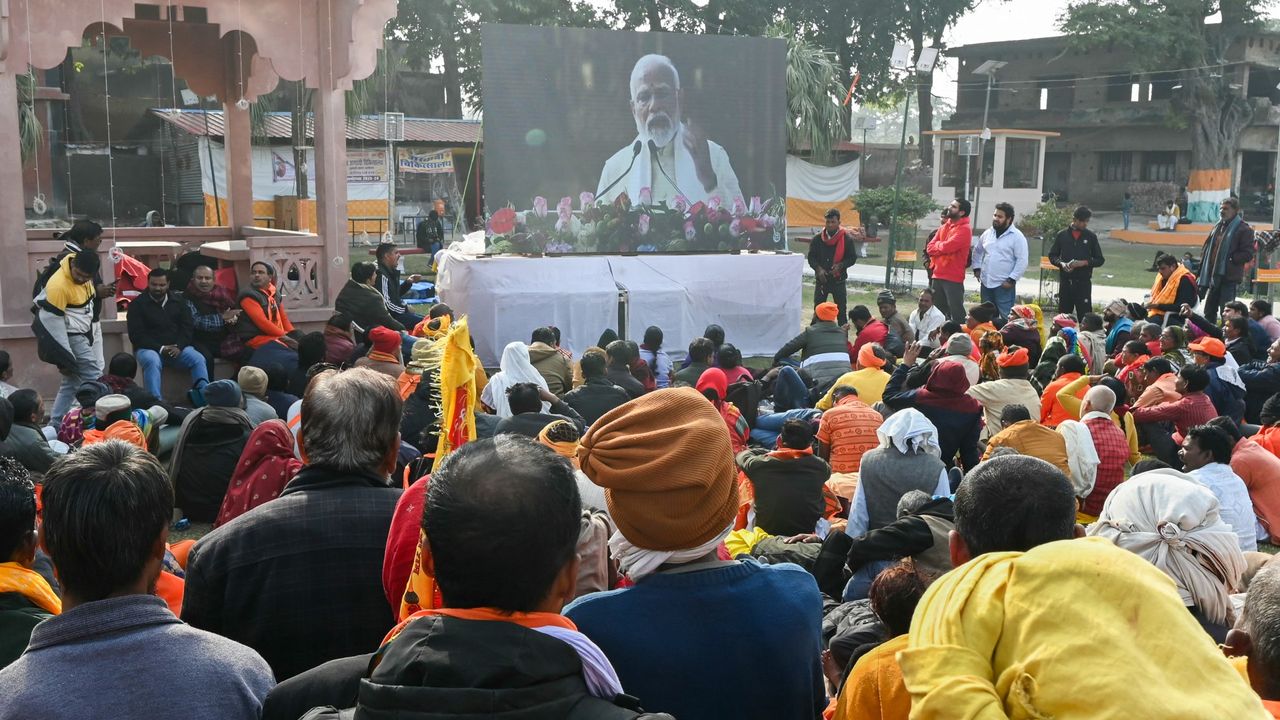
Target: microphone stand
635, 153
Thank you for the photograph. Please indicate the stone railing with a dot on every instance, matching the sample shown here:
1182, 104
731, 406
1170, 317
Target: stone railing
299, 259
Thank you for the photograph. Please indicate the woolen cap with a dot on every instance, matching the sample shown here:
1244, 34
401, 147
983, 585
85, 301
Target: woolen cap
960, 344
108, 404
223, 393
384, 340
252, 381
667, 468
984, 312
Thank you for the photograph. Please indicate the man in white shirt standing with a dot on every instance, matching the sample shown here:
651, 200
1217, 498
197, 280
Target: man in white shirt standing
670, 154
1000, 259
926, 320
1206, 454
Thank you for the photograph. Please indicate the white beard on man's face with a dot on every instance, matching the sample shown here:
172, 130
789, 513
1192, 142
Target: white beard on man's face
659, 127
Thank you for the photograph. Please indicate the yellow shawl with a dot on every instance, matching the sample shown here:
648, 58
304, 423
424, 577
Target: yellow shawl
1165, 292
30, 584
1072, 629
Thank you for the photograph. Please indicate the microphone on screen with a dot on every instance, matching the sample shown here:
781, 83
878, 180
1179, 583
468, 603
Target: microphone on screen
635, 153
653, 150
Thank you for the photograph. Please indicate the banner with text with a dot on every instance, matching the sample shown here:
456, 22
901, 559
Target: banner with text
412, 161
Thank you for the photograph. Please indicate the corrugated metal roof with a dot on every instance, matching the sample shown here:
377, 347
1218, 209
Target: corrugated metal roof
366, 127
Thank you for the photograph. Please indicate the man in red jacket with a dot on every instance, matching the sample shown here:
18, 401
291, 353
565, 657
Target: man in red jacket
948, 253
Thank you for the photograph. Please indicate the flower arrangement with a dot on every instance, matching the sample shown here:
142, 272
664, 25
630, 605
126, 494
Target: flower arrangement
623, 226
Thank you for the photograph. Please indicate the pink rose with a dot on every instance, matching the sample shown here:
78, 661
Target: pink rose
566, 202
680, 203
540, 206
585, 199
643, 225
735, 227
714, 202
690, 232
646, 196
739, 207
756, 206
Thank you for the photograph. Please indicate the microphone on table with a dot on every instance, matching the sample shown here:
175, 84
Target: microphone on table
653, 150
635, 153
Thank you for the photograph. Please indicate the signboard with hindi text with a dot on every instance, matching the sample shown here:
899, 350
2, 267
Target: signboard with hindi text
440, 161
366, 167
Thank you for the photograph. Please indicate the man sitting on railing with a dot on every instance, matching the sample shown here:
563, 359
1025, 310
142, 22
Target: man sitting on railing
265, 325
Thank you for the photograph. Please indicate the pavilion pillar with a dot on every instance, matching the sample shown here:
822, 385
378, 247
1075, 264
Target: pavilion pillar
329, 109
15, 280
238, 147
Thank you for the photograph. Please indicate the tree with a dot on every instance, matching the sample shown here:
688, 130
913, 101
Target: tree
815, 120
1173, 34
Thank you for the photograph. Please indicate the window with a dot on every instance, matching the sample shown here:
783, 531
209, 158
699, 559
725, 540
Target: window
1162, 85
1115, 166
1120, 89
1057, 93
951, 168
956, 167
1159, 166
1021, 164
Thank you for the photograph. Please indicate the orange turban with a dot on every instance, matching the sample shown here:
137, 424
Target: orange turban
1013, 359
868, 358
827, 311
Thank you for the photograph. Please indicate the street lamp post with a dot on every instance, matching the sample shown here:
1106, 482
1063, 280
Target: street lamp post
989, 69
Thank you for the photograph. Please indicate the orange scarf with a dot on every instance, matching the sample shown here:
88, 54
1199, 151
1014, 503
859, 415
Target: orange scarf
124, 430
529, 620
31, 585
383, 357
1165, 292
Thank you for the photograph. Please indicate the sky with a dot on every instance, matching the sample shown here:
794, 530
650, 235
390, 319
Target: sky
996, 21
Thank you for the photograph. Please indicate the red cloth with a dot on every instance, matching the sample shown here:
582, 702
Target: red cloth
836, 241
640, 370
948, 251
715, 379
402, 541
131, 274
266, 465
1193, 409
738, 374
874, 331
947, 389
338, 346
219, 298
1113, 452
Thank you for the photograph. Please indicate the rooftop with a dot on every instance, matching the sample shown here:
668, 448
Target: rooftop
278, 125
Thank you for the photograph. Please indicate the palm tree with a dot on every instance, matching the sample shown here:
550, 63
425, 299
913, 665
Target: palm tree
362, 99
816, 120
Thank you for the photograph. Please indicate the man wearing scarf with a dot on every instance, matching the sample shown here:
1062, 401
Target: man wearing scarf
671, 487
1229, 247
215, 311
1226, 389
943, 400
1174, 287
25, 596
1012, 388
830, 254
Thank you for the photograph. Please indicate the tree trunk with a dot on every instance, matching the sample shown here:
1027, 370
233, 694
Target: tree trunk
449, 56
654, 14
1217, 115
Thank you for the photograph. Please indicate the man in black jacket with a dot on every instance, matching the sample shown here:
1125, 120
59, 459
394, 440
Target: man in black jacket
528, 419
619, 371
1075, 251
311, 559
160, 328
392, 287
597, 395
831, 252
361, 301
789, 483
501, 520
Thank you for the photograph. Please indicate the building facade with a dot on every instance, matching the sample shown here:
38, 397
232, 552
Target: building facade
1117, 130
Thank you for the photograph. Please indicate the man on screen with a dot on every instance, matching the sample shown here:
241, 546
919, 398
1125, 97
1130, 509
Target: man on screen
670, 154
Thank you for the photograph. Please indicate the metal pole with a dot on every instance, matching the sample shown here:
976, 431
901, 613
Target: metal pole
1275, 206
968, 182
982, 145
897, 185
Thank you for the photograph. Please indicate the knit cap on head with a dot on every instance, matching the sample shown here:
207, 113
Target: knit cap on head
108, 404
223, 393
960, 344
384, 340
667, 468
252, 381
984, 312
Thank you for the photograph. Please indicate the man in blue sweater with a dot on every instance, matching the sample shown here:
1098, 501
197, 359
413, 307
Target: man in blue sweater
116, 650
697, 637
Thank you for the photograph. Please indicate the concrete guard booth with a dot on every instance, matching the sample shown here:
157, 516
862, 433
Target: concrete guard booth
1012, 169
236, 52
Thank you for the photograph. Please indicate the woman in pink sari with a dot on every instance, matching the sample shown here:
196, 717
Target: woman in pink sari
266, 466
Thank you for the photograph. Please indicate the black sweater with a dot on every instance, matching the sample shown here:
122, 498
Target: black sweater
152, 325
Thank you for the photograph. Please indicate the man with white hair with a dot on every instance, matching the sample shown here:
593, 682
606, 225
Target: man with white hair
1110, 442
670, 155
299, 579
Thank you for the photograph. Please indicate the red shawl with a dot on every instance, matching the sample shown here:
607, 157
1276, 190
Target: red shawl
266, 466
640, 371
219, 298
947, 389
836, 240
